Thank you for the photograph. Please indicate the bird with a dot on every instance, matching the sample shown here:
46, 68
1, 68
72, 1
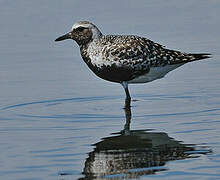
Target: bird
126, 59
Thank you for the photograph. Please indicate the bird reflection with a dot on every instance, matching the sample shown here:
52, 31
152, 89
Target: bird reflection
132, 153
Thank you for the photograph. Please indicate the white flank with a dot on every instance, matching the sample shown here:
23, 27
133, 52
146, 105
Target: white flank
155, 73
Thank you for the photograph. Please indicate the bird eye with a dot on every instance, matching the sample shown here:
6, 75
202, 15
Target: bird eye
80, 29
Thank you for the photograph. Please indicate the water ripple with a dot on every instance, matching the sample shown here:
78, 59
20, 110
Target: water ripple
180, 113
56, 101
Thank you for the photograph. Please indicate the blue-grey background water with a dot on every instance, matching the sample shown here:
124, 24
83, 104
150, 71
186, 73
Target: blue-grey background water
54, 113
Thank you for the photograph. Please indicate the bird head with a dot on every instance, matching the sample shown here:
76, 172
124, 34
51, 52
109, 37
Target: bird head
82, 32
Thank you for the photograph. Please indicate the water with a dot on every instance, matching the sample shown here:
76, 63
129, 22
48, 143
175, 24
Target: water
59, 121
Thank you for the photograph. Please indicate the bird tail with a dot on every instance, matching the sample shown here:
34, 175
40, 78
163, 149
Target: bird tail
189, 57
200, 56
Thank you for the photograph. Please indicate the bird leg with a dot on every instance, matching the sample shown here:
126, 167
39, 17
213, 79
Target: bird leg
128, 97
126, 129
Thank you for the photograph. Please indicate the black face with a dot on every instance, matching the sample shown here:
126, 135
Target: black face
81, 35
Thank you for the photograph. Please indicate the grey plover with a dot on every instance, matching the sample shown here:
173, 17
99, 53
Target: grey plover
125, 59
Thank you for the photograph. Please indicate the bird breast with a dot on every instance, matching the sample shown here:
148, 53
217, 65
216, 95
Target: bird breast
98, 56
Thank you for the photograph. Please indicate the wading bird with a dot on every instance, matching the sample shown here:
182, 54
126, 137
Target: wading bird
125, 59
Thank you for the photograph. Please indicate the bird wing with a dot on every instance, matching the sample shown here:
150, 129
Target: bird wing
134, 53
141, 53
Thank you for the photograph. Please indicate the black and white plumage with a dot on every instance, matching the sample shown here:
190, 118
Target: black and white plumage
125, 59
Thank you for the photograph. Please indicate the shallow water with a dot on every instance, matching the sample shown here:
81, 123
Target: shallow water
59, 121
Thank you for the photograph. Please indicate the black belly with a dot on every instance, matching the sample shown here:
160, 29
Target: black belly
113, 73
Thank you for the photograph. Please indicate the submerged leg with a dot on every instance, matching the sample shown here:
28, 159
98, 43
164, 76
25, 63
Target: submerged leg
128, 97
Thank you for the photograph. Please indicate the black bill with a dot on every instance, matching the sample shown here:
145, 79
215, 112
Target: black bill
66, 36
